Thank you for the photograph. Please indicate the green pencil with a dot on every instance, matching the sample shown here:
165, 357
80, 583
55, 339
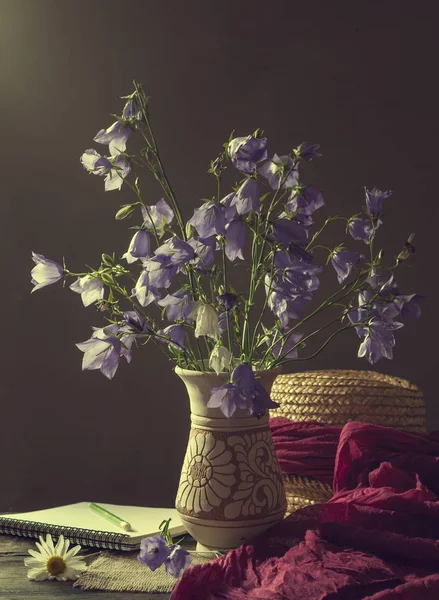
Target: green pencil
106, 514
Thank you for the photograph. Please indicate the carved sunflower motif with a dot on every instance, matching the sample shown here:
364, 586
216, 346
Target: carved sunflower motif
207, 475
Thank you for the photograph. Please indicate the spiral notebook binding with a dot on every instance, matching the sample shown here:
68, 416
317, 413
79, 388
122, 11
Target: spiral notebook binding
76, 535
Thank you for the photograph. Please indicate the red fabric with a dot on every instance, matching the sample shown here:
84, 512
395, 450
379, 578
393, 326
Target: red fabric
376, 539
307, 448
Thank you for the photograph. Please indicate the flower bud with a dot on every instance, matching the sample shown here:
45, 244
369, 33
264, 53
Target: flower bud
107, 260
126, 211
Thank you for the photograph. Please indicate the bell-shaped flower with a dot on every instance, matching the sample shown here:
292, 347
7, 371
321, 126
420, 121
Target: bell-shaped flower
307, 151
244, 377
363, 229
177, 561
245, 152
277, 168
102, 351
120, 168
235, 240
136, 325
204, 249
157, 216
379, 341
90, 288
227, 398
115, 168
115, 136
220, 359
343, 260
227, 300
161, 272
144, 291
209, 219
375, 199
305, 201
140, 247
287, 231
229, 207
247, 197
174, 335
132, 111
94, 163
176, 251
260, 401
178, 306
286, 346
153, 551
45, 272
206, 321
222, 322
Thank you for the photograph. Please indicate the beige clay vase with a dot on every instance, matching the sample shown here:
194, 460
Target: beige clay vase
230, 487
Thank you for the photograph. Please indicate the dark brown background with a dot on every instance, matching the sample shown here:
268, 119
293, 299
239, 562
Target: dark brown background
358, 77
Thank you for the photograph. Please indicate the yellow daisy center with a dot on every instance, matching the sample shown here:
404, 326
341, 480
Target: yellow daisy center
56, 565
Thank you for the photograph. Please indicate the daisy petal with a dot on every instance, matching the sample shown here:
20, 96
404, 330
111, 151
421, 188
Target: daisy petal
72, 552
37, 574
44, 551
35, 562
36, 554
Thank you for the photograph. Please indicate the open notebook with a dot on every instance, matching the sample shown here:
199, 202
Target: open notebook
78, 523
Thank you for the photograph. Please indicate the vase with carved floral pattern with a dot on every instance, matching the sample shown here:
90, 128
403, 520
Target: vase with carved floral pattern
230, 487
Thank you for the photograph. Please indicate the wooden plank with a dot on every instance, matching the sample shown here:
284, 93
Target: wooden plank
14, 584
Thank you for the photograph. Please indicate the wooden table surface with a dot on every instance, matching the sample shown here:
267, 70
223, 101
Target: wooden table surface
14, 583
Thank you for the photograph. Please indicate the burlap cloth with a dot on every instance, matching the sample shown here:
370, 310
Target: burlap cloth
122, 572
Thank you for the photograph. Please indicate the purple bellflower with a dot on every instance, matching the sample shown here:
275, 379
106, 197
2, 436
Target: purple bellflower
175, 336
229, 207
140, 247
45, 272
287, 231
245, 152
161, 272
308, 151
177, 561
209, 219
115, 169
305, 201
157, 216
90, 288
135, 325
363, 229
204, 249
227, 300
153, 551
115, 136
222, 322
132, 111
286, 347
227, 398
235, 240
247, 197
343, 260
176, 251
178, 306
260, 401
379, 341
375, 199
277, 168
103, 351
143, 291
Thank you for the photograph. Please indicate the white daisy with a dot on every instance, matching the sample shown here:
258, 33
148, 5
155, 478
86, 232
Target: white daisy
54, 562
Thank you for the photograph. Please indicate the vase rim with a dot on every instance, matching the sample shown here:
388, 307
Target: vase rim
192, 373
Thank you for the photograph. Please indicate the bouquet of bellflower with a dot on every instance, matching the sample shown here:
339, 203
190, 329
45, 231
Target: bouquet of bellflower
175, 286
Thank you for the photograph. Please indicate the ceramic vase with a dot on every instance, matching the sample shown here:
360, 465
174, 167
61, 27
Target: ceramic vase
230, 487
